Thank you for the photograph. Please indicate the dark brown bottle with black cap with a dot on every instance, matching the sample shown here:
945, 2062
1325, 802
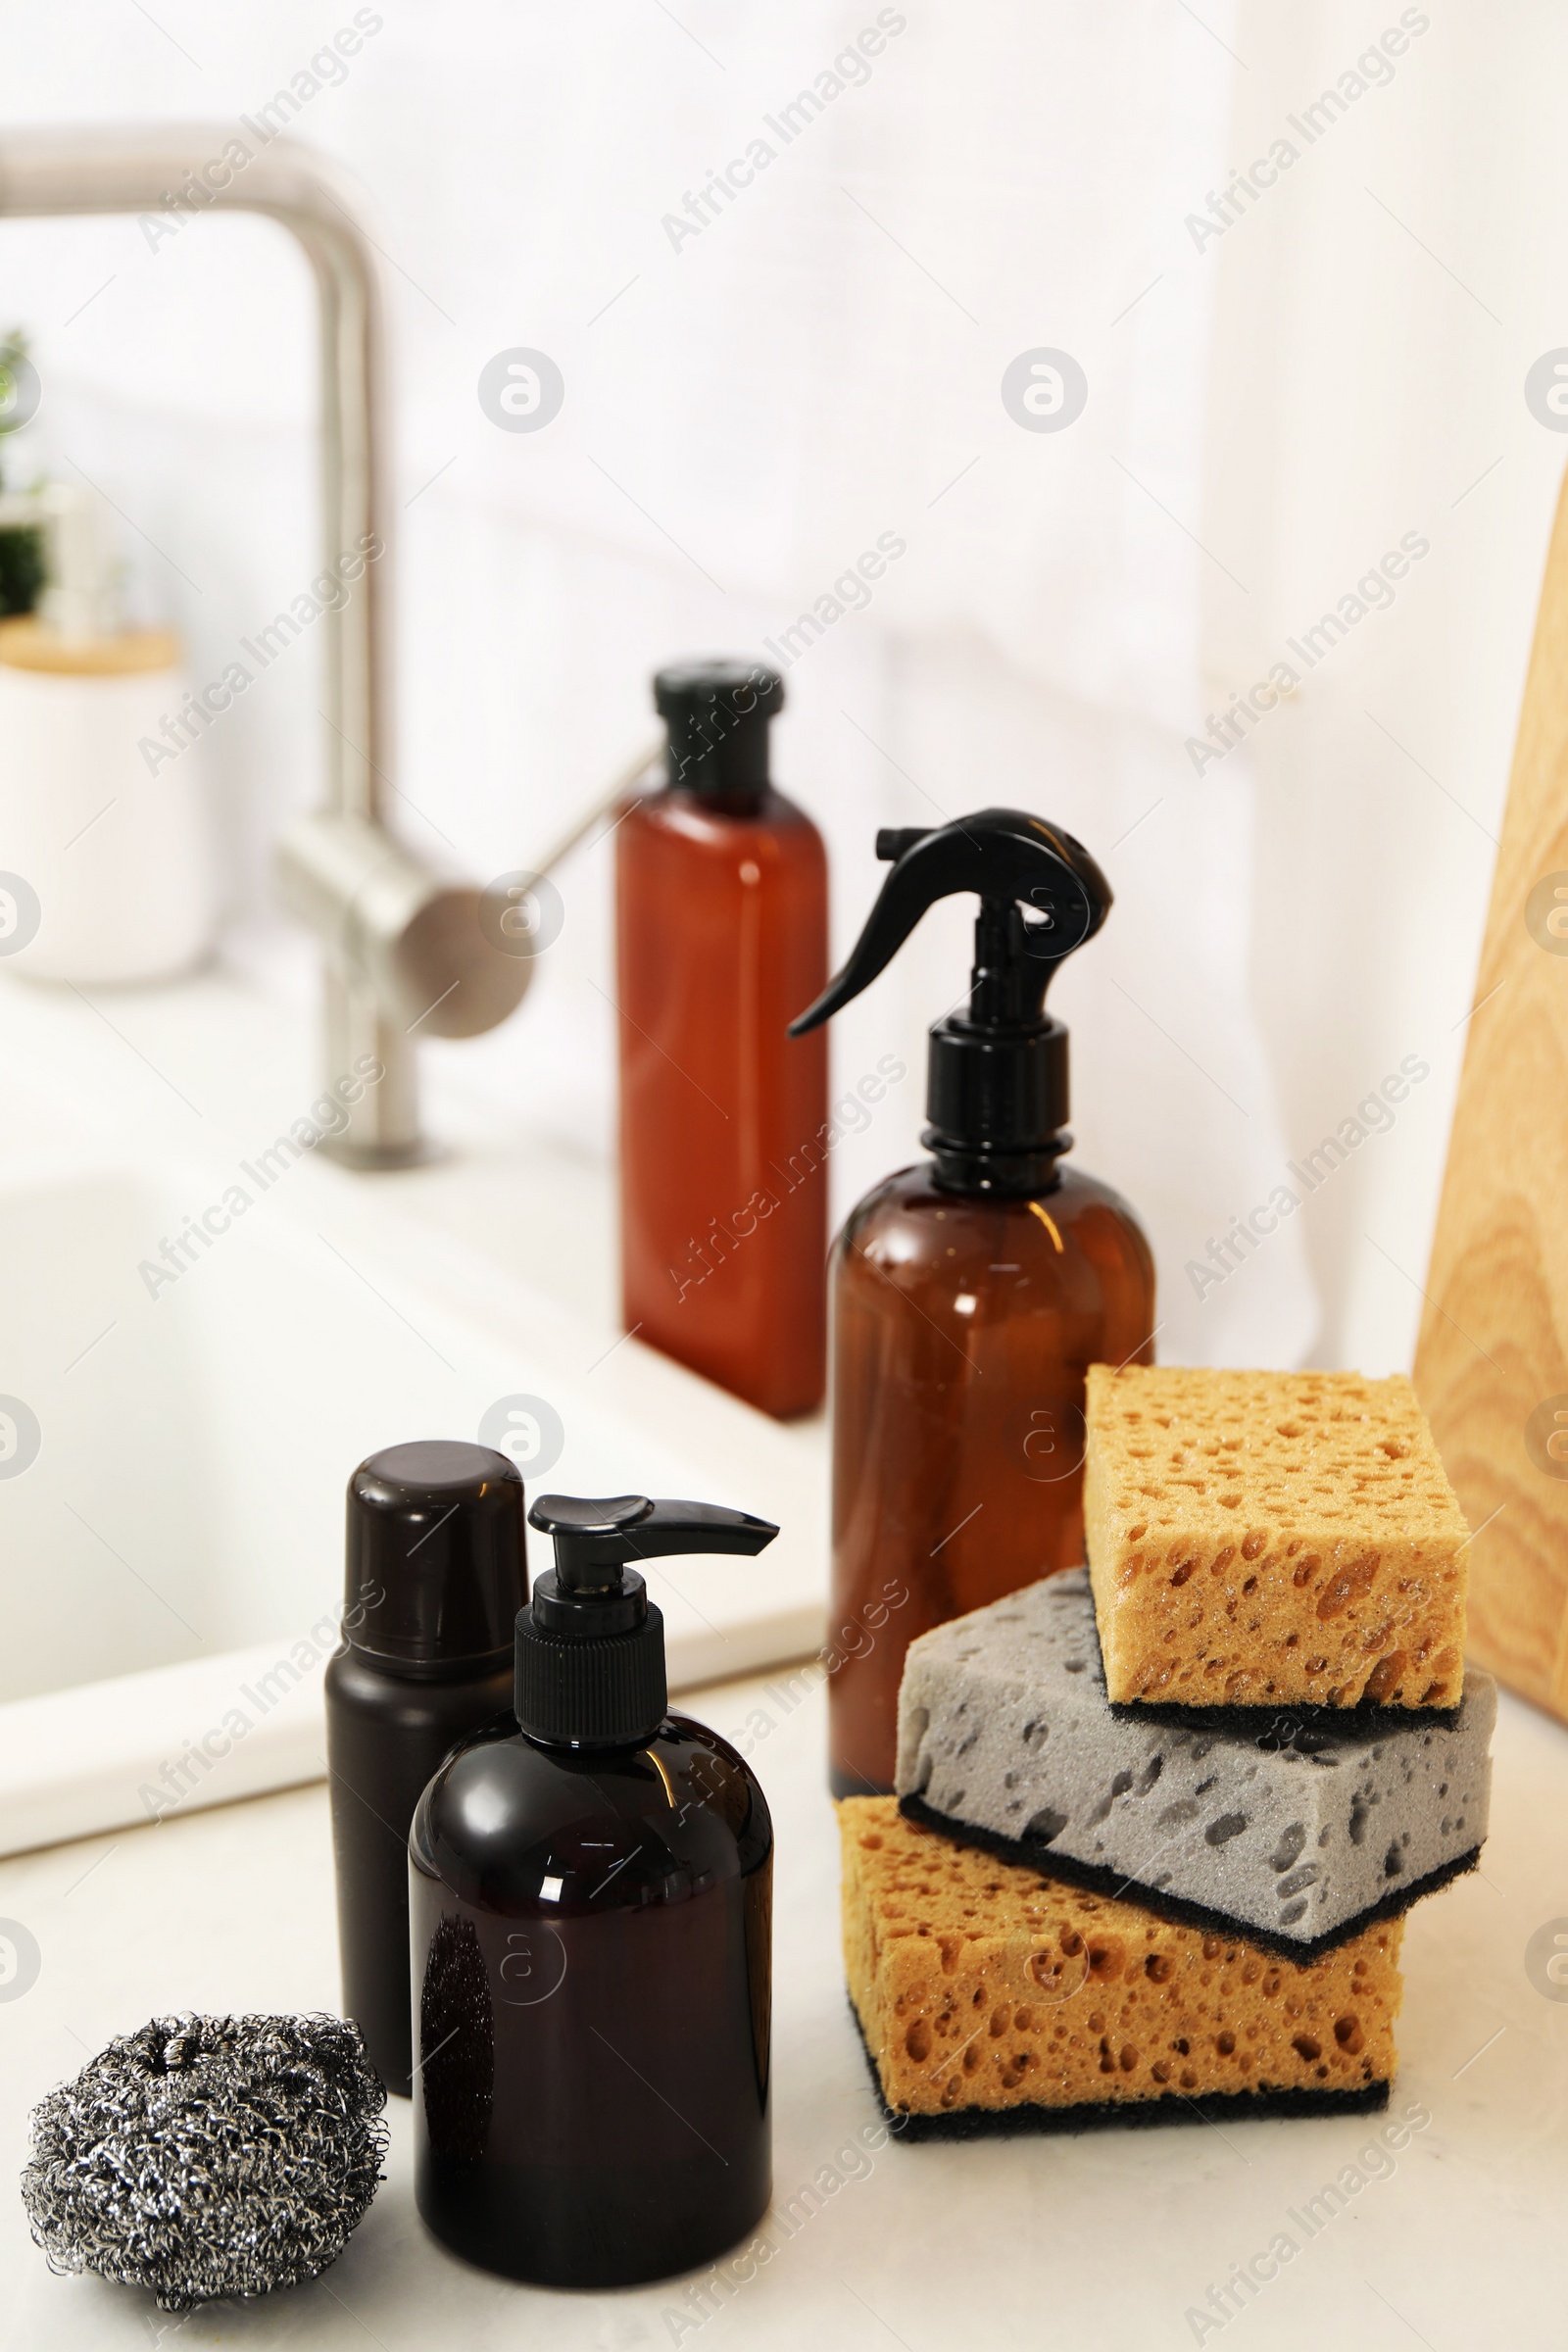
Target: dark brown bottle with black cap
590, 1914
437, 1573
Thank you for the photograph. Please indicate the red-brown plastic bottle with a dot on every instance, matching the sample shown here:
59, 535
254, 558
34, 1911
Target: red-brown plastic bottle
722, 935
970, 1294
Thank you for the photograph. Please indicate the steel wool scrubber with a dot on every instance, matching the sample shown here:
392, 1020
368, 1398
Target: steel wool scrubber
209, 2156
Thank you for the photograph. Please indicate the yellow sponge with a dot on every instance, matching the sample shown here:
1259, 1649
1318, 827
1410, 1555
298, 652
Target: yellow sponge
1268, 1538
991, 1998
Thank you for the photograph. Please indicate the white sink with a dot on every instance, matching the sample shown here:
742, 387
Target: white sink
170, 1561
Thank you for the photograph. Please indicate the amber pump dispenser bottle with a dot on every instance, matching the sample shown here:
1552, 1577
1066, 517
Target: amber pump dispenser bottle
590, 1904
970, 1294
722, 934
437, 1573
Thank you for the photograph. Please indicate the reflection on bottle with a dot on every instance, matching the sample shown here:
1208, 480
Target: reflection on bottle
758, 1913
457, 2042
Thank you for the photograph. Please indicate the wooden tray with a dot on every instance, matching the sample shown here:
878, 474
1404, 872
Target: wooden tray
1492, 1365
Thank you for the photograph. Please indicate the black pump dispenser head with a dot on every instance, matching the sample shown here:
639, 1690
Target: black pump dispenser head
997, 1084
591, 1645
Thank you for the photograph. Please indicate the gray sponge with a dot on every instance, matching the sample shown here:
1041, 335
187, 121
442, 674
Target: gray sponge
1299, 1835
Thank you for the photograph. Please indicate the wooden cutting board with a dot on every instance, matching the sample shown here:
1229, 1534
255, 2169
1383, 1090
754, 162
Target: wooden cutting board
1492, 1366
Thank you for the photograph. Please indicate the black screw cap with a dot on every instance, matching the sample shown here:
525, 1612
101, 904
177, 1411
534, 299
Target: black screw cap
716, 710
436, 1557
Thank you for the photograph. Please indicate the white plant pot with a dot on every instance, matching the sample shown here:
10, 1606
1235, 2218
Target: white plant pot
106, 866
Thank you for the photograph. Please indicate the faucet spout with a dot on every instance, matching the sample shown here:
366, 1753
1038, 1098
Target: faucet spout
406, 950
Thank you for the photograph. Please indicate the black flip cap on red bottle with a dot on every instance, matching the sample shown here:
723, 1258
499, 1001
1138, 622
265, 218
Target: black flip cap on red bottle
717, 712
996, 1075
591, 1645
436, 1559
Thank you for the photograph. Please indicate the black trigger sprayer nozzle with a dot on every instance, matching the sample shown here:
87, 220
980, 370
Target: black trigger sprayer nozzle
996, 1086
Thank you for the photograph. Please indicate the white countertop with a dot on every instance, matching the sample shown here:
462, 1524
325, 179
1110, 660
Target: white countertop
1098, 2242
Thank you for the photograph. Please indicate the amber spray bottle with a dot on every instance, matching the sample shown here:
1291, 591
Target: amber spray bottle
969, 1295
722, 934
591, 1940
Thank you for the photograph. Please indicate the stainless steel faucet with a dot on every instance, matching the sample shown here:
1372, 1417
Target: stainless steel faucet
406, 950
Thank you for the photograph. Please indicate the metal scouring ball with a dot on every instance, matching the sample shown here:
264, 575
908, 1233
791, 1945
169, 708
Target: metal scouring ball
209, 2156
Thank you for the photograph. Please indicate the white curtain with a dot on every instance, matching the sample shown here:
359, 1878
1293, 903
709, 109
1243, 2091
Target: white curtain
767, 375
